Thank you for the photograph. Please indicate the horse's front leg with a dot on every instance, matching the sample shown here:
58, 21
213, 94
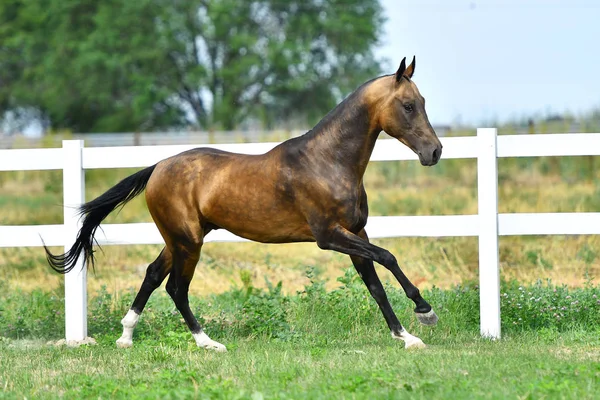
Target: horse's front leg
366, 270
344, 241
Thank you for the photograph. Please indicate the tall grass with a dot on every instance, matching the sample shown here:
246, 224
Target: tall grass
248, 311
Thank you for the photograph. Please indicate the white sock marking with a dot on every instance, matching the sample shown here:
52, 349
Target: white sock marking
129, 322
409, 340
202, 340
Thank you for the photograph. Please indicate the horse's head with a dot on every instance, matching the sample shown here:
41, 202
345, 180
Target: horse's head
403, 116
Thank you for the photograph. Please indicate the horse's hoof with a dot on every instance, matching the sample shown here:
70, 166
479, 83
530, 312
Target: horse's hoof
202, 340
410, 341
429, 318
124, 343
214, 346
414, 344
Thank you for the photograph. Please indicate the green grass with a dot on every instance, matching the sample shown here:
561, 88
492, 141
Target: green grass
366, 367
316, 343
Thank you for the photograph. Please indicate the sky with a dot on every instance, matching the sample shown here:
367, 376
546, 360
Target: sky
480, 62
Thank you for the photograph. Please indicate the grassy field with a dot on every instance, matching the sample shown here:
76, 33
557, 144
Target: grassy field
317, 343
364, 368
314, 344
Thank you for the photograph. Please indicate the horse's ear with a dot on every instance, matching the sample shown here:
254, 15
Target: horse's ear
410, 70
401, 70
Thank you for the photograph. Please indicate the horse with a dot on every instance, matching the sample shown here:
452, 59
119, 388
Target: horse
306, 189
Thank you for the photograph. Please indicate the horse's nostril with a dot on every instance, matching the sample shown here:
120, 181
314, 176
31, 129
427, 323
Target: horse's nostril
436, 155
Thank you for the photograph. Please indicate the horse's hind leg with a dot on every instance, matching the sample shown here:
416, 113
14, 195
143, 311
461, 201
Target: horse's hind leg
185, 259
155, 274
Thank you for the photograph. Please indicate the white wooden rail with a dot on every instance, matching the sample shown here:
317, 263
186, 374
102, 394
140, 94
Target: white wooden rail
487, 224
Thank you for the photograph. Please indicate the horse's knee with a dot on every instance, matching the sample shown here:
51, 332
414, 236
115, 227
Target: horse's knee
387, 259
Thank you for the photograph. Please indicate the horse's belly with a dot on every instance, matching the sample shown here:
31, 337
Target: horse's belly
257, 221
274, 236
266, 231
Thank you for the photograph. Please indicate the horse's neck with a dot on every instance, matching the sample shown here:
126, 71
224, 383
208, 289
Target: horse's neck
346, 139
347, 135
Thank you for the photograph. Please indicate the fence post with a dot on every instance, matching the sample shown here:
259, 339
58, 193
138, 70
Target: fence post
76, 279
487, 193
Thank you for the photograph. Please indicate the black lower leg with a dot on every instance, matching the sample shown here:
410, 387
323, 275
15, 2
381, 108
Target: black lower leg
178, 290
155, 275
366, 270
178, 287
412, 292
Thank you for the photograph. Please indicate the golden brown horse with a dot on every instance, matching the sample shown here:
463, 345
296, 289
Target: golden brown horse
306, 189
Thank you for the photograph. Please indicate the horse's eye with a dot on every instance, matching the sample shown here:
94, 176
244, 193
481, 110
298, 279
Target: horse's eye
408, 107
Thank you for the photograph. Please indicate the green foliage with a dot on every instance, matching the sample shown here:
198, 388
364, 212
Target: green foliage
265, 313
38, 314
123, 66
549, 307
315, 344
343, 308
86, 65
249, 312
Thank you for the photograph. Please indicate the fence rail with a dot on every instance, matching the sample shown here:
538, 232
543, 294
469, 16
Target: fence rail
73, 158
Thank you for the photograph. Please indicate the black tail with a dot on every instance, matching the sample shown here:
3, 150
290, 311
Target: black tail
95, 211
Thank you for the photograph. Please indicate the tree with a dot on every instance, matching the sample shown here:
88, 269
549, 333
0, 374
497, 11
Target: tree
85, 65
279, 57
151, 64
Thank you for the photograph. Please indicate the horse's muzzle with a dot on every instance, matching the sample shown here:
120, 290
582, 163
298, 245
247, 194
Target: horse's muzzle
431, 156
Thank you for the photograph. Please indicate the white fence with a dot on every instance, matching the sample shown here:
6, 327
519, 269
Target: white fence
487, 224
